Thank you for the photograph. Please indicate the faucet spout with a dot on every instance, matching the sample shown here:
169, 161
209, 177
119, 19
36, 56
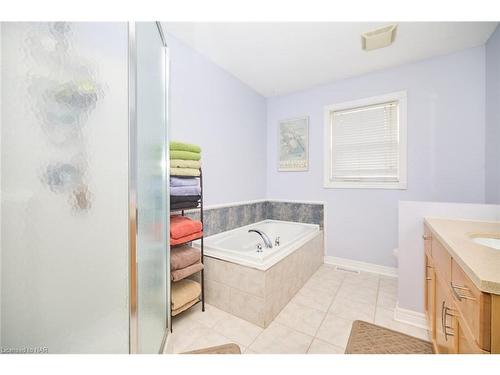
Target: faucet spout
264, 237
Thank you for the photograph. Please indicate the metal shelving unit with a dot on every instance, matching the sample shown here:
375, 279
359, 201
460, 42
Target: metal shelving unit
202, 272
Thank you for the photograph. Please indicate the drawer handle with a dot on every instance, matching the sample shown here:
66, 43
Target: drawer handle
459, 295
445, 311
427, 277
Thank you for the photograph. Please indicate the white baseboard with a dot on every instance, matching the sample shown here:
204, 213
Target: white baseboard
362, 266
411, 317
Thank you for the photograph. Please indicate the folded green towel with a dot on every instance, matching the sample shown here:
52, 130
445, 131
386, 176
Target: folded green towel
178, 163
181, 146
185, 155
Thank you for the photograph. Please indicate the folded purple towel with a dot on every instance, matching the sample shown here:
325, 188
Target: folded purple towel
184, 181
185, 190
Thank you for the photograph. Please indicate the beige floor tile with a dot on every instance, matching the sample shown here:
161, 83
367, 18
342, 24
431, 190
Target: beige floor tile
193, 329
323, 284
178, 321
385, 318
316, 299
362, 276
278, 339
364, 281
239, 330
335, 330
206, 338
388, 282
210, 317
301, 318
322, 347
185, 332
249, 351
357, 293
329, 272
353, 310
386, 299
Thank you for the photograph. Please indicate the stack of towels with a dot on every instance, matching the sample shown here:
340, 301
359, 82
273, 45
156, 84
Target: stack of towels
185, 191
185, 293
184, 229
184, 159
184, 261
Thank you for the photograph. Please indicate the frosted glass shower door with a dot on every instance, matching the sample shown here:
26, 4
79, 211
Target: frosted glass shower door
152, 209
64, 187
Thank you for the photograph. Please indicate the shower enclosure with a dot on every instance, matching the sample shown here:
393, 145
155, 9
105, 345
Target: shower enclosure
84, 208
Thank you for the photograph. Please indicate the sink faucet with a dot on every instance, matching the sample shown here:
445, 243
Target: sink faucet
264, 237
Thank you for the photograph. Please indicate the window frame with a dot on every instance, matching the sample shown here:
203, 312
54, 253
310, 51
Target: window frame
401, 184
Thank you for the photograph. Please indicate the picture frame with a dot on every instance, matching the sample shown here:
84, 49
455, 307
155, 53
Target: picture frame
293, 145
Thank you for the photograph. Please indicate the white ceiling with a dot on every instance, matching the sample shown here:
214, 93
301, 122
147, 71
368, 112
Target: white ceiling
283, 57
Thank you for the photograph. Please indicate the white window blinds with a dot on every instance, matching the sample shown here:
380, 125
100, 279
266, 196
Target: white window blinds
364, 143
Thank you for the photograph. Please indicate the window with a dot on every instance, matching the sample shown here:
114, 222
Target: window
365, 143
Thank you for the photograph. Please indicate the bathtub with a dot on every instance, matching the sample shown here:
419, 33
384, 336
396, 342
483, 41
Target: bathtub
253, 285
240, 247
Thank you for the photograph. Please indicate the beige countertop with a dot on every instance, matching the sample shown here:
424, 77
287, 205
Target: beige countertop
480, 263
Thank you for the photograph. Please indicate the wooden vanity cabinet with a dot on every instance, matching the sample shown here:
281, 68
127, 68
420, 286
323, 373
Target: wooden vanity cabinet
461, 318
430, 294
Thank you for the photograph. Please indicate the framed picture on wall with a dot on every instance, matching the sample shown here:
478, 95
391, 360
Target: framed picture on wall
293, 145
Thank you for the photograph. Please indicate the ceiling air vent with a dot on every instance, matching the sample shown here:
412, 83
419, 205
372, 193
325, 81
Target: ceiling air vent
379, 38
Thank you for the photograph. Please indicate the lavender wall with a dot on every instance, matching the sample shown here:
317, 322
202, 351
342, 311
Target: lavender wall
213, 109
446, 140
493, 118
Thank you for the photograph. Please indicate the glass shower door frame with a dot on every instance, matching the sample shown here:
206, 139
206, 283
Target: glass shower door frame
133, 209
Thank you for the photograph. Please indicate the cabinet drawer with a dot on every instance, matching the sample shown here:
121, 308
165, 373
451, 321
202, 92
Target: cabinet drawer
473, 305
441, 260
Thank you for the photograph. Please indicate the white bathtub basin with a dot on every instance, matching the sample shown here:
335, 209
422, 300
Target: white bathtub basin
493, 243
239, 246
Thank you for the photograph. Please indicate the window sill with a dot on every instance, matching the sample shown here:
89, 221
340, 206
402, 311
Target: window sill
365, 185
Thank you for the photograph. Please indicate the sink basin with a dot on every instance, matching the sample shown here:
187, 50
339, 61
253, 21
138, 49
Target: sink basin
492, 242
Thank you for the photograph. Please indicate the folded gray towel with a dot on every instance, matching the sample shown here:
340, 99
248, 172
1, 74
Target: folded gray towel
185, 190
184, 181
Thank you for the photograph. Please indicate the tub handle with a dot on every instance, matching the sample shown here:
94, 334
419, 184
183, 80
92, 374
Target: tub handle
259, 248
277, 241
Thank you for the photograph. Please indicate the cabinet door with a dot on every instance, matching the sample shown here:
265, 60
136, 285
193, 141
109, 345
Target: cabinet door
473, 305
445, 321
430, 282
465, 343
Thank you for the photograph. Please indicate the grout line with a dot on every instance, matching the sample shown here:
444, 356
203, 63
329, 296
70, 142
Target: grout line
256, 337
324, 317
223, 335
282, 310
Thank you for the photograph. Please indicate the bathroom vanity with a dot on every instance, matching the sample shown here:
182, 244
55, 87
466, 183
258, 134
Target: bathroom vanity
462, 285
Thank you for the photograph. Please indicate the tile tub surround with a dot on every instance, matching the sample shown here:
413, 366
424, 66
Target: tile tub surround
221, 219
258, 296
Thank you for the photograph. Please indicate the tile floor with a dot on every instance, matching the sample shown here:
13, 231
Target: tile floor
317, 320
